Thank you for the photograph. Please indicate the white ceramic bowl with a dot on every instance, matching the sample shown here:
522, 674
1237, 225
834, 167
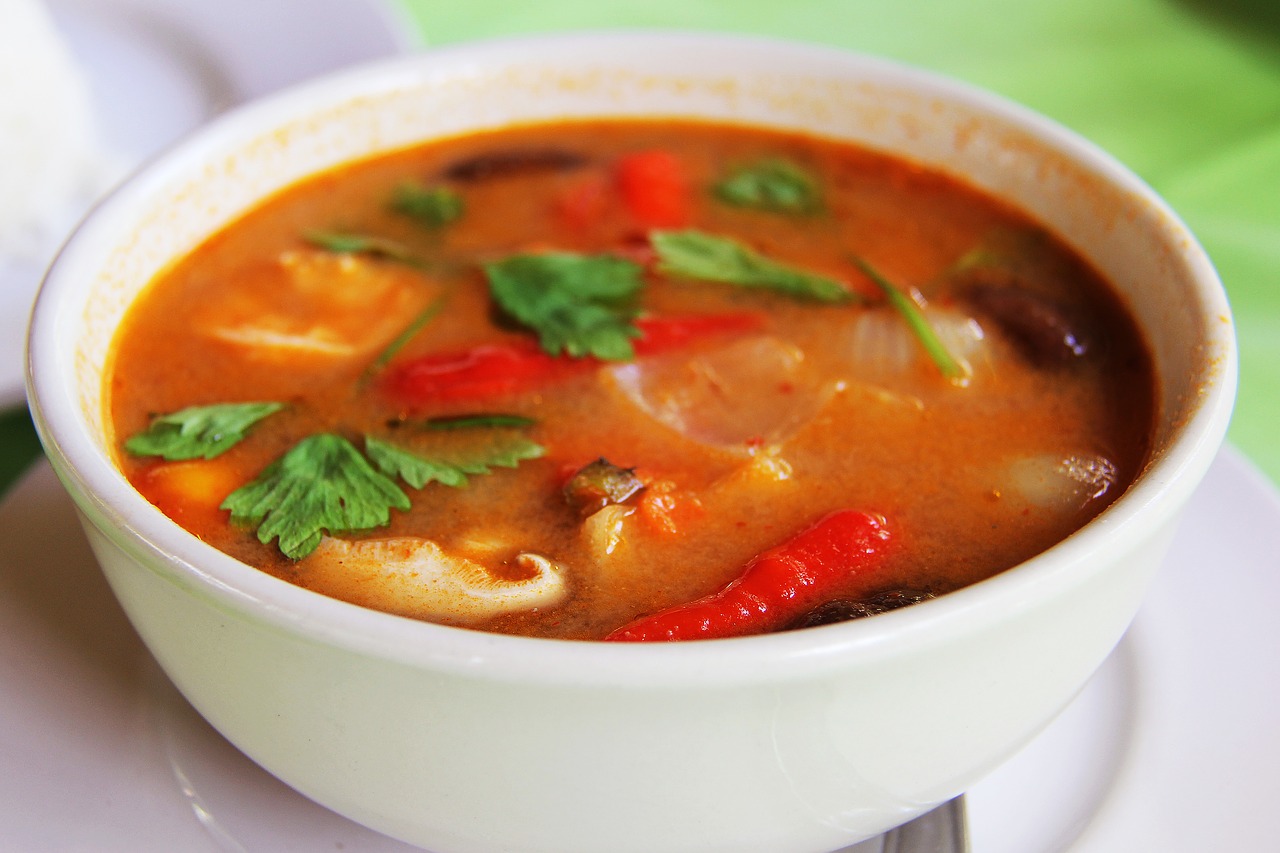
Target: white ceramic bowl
463, 741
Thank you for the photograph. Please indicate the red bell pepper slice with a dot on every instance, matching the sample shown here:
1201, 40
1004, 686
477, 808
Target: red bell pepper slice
778, 585
495, 370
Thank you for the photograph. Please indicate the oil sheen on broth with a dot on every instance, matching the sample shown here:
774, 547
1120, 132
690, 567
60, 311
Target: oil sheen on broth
554, 379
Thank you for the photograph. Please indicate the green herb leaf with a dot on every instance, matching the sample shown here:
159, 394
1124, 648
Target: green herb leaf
698, 255
322, 484
919, 324
577, 304
1015, 252
415, 470
362, 244
434, 207
199, 431
775, 185
417, 324
478, 420
418, 470
1007, 247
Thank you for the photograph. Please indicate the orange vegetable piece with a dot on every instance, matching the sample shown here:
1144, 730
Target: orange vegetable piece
655, 189
667, 510
190, 492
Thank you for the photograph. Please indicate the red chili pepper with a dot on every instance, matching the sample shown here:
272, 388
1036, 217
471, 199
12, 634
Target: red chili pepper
776, 586
493, 370
654, 188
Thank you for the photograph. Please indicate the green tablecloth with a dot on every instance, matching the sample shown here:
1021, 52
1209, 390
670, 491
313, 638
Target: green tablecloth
1186, 92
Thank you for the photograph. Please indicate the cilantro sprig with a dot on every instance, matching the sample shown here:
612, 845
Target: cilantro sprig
579, 305
432, 206
775, 184
323, 484
419, 469
199, 432
710, 257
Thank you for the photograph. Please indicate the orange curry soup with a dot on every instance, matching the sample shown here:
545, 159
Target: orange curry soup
631, 380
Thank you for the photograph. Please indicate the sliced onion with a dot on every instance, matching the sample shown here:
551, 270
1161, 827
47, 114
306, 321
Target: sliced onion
1061, 482
880, 345
604, 531
751, 392
314, 341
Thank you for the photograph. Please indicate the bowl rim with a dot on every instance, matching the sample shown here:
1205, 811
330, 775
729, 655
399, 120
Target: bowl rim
110, 502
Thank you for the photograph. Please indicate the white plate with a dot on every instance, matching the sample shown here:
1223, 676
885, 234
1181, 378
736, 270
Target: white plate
159, 68
1172, 746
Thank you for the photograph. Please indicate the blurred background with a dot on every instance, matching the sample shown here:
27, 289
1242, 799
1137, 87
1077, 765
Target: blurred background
1185, 92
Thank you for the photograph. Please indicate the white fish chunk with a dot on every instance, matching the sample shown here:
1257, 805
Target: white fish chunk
318, 306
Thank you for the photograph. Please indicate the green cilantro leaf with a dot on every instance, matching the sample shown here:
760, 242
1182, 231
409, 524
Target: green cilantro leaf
322, 484
577, 304
698, 255
418, 470
341, 242
434, 207
415, 470
775, 185
199, 431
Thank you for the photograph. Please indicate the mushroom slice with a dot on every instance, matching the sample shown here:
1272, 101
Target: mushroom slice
417, 578
1045, 333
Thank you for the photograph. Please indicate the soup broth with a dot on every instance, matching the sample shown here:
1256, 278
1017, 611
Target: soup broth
555, 379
